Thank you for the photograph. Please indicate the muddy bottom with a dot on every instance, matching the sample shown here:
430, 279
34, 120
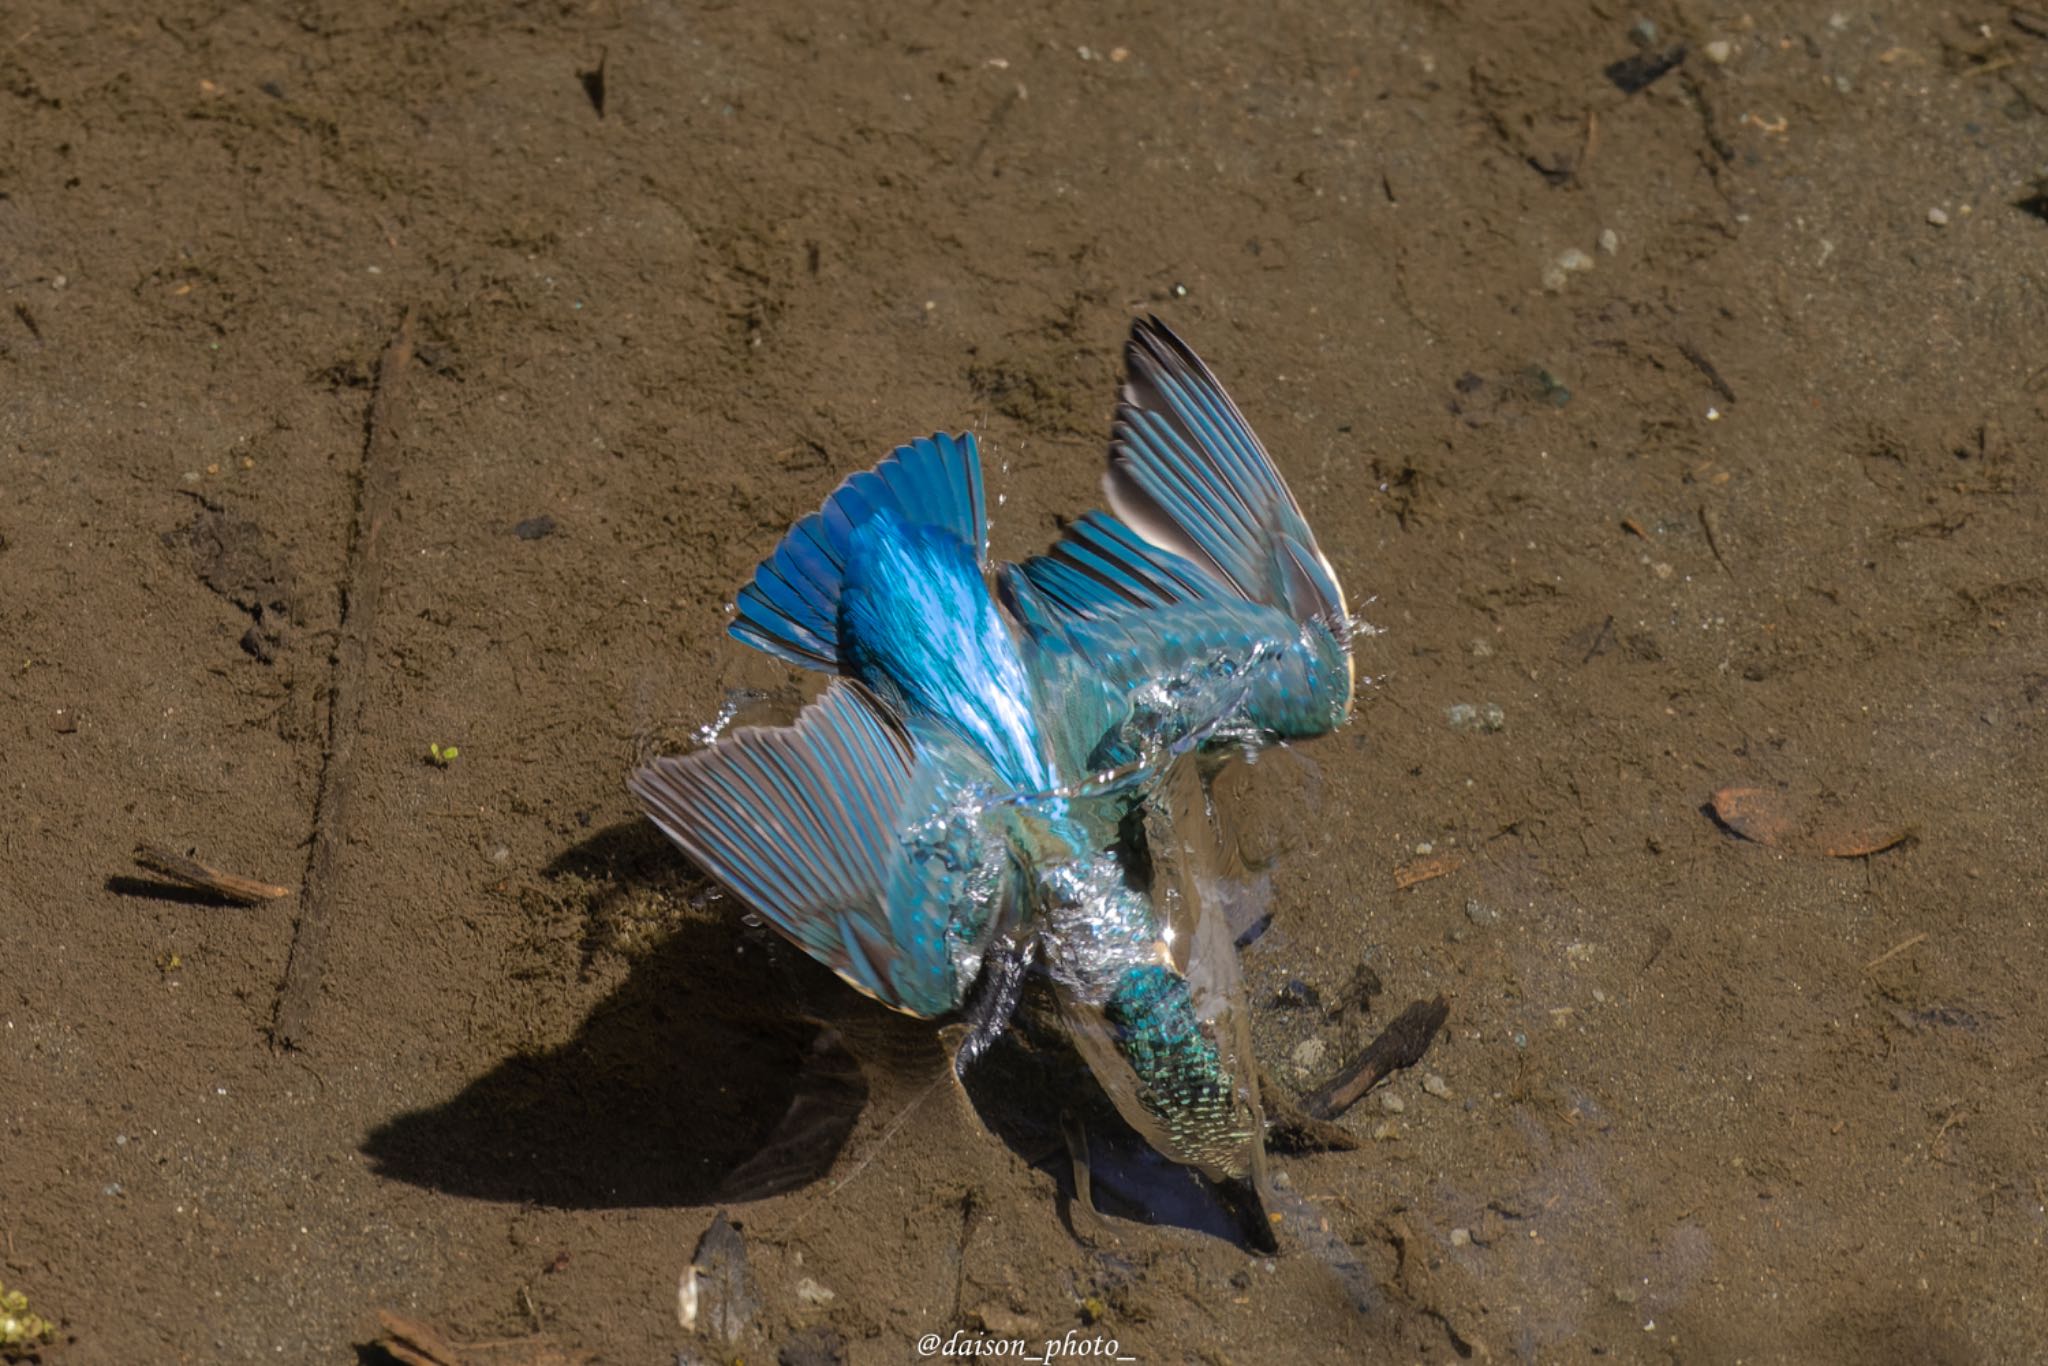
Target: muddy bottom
391, 404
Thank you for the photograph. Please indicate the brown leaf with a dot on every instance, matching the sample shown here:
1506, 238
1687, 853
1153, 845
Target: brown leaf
415, 1344
1423, 869
1863, 843
412, 1343
1755, 813
1773, 817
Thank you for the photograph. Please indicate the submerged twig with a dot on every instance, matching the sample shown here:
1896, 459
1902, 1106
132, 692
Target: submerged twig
1401, 1044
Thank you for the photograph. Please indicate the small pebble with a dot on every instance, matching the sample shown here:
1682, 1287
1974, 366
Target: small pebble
1298, 995
1392, 1103
1308, 1054
1001, 1322
1553, 278
1461, 1237
1644, 32
1387, 1132
1719, 51
1486, 716
1481, 648
1937, 217
59, 281
1437, 1086
1571, 258
1610, 241
1479, 913
809, 1291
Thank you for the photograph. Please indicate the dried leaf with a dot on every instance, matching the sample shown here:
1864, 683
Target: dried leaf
1755, 813
1864, 843
1423, 869
412, 1343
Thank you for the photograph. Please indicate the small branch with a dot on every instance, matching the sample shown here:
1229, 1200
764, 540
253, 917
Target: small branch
192, 873
1400, 1045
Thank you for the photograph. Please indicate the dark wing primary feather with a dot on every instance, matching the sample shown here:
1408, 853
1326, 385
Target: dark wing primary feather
791, 608
805, 824
1103, 568
1187, 474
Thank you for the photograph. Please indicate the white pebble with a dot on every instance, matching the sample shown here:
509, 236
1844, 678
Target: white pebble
1392, 1103
1461, 1237
1610, 241
1309, 1053
1571, 258
1719, 51
1937, 217
1437, 1086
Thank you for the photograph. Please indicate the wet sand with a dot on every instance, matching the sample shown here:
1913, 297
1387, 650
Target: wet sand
1697, 429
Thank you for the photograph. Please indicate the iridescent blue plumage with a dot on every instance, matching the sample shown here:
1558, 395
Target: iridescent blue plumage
917, 625
940, 793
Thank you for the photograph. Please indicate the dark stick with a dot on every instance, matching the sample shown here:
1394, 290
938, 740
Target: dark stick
1401, 1044
193, 873
376, 494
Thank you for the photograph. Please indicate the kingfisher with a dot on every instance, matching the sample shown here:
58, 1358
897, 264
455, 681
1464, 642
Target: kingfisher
956, 805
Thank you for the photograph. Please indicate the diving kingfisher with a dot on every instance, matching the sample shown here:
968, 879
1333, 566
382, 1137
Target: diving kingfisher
955, 803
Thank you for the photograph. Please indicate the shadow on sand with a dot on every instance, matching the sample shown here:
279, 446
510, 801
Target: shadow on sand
728, 1066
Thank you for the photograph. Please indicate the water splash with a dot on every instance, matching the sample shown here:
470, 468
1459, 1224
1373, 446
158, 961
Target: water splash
737, 700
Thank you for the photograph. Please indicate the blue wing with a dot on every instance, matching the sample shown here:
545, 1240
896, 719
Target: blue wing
1187, 474
1101, 567
837, 831
791, 609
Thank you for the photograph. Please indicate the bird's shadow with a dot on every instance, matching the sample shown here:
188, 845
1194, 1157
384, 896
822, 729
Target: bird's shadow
670, 1085
715, 1072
